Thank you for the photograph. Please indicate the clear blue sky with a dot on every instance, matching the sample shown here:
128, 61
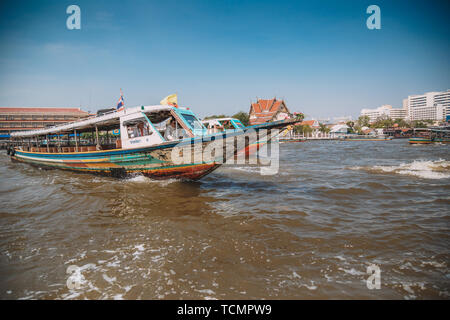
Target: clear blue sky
219, 55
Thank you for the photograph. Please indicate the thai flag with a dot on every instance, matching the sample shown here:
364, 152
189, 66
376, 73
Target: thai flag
120, 104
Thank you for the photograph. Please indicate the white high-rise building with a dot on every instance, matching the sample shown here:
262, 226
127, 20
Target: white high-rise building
429, 106
398, 113
443, 98
384, 110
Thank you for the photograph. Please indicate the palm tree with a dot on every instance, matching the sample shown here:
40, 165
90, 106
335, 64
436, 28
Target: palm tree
298, 128
323, 128
307, 129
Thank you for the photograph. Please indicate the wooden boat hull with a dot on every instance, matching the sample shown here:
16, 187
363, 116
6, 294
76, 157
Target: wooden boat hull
420, 141
183, 172
154, 162
427, 141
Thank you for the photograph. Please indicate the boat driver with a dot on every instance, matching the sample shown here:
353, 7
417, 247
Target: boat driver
170, 133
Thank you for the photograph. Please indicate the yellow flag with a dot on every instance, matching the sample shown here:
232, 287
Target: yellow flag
172, 99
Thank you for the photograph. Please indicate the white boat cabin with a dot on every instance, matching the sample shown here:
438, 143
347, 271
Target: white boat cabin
130, 128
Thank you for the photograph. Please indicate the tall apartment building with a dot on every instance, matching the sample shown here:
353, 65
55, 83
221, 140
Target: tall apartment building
384, 110
443, 98
429, 106
19, 119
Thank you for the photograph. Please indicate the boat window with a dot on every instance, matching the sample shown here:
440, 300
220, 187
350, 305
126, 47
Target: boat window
227, 125
170, 128
239, 124
138, 128
159, 116
214, 127
192, 121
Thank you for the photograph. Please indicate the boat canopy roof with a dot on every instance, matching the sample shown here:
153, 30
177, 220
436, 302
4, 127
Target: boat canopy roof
106, 121
217, 119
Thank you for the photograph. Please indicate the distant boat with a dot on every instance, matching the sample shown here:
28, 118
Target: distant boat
430, 135
141, 144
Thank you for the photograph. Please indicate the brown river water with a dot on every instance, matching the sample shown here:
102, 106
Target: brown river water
309, 232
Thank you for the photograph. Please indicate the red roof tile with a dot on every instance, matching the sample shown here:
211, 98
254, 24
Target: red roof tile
264, 110
275, 106
307, 122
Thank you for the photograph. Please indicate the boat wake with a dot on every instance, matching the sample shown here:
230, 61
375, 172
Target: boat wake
143, 179
438, 169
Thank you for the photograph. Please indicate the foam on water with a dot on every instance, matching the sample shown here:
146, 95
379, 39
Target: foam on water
426, 169
143, 179
247, 169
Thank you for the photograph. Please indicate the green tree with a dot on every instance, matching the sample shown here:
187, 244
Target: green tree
243, 117
363, 121
323, 128
302, 128
299, 116
358, 129
298, 128
383, 122
305, 129
350, 125
401, 123
420, 124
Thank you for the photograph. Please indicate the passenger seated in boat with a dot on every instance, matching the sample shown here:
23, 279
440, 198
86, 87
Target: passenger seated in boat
217, 128
227, 124
143, 129
131, 132
170, 133
139, 130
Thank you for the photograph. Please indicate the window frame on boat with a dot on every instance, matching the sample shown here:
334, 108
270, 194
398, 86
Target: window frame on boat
198, 129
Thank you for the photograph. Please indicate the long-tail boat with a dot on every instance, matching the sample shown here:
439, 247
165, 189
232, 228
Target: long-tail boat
133, 141
430, 135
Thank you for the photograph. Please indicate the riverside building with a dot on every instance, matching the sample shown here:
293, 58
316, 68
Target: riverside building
20, 119
429, 106
384, 110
